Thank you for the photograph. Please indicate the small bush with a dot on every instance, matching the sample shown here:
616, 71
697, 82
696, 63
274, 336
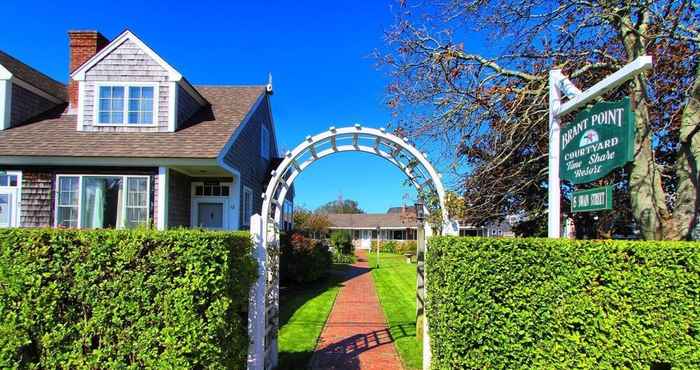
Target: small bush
407, 246
560, 304
341, 241
124, 299
395, 246
343, 258
302, 259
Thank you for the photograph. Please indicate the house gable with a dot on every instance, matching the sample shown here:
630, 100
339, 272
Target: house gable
25, 93
127, 62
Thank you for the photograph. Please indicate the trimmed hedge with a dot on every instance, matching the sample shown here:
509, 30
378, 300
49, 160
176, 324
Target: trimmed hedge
124, 299
559, 304
396, 246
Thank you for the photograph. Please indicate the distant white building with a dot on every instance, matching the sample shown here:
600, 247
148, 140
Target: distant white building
399, 224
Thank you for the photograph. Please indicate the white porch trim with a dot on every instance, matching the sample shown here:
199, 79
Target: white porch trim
163, 179
5, 98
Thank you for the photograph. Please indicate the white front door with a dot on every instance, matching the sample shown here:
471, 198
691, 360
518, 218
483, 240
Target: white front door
366, 239
9, 198
211, 206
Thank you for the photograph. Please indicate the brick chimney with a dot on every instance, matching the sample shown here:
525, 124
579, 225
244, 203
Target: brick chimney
83, 45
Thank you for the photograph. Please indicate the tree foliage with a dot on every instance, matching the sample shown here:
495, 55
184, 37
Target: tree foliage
340, 206
311, 224
489, 109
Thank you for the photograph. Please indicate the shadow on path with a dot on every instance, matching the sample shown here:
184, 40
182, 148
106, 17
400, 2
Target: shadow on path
356, 335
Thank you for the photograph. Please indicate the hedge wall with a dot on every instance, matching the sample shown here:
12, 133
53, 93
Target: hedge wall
545, 304
124, 299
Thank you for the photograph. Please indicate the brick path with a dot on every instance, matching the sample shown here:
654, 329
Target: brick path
356, 335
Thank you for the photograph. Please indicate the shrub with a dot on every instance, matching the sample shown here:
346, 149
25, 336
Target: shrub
407, 246
559, 304
343, 258
396, 246
124, 299
302, 259
341, 241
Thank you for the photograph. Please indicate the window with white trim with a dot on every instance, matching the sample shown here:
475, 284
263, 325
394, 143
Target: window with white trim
8, 180
102, 201
247, 205
264, 142
126, 105
67, 202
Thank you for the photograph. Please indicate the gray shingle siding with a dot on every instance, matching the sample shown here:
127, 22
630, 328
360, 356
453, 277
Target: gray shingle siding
244, 155
180, 200
37, 199
26, 105
186, 106
126, 63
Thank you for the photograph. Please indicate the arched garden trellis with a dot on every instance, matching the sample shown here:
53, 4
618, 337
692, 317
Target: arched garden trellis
264, 301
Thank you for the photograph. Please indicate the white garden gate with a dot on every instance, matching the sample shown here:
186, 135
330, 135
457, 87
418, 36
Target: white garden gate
263, 320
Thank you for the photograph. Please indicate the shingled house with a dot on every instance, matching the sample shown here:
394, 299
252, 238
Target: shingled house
398, 224
129, 141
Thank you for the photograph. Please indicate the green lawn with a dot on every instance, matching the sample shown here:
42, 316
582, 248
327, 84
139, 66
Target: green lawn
303, 313
395, 281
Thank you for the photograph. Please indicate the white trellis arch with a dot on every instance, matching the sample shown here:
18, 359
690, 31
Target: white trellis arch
264, 304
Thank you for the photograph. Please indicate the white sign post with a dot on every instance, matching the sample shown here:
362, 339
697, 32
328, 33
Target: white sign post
559, 86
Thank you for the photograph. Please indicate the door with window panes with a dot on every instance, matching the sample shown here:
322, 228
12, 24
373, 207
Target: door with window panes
9, 199
211, 206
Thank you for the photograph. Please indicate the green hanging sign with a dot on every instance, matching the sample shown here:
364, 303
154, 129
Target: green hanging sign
596, 199
598, 140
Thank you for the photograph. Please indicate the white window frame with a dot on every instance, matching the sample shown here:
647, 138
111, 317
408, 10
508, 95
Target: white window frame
80, 196
225, 200
264, 142
17, 199
244, 206
125, 114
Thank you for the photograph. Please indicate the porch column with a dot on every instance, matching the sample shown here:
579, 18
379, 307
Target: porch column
162, 197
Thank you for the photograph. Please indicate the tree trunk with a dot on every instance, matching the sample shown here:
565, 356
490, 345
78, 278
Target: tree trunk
688, 192
647, 195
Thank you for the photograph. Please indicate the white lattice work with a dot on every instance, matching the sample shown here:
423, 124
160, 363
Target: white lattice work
264, 304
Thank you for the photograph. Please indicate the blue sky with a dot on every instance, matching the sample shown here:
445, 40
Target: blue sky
317, 51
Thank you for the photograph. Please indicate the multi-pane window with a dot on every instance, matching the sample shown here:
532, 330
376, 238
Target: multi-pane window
126, 105
140, 105
102, 201
111, 105
211, 190
136, 201
8, 180
67, 207
247, 205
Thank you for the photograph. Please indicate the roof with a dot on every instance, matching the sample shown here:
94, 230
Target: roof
401, 209
371, 220
202, 136
33, 77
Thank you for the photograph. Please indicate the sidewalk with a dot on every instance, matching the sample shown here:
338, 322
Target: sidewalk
356, 335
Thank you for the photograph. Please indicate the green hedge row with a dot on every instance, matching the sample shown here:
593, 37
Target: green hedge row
396, 246
547, 304
124, 299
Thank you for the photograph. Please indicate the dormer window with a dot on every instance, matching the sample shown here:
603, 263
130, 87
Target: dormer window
126, 104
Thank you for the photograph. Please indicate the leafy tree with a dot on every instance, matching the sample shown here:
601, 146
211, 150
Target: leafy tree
311, 224
340, 206
490, 110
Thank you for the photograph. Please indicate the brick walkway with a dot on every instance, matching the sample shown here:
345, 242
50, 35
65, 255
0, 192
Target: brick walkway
356, 335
